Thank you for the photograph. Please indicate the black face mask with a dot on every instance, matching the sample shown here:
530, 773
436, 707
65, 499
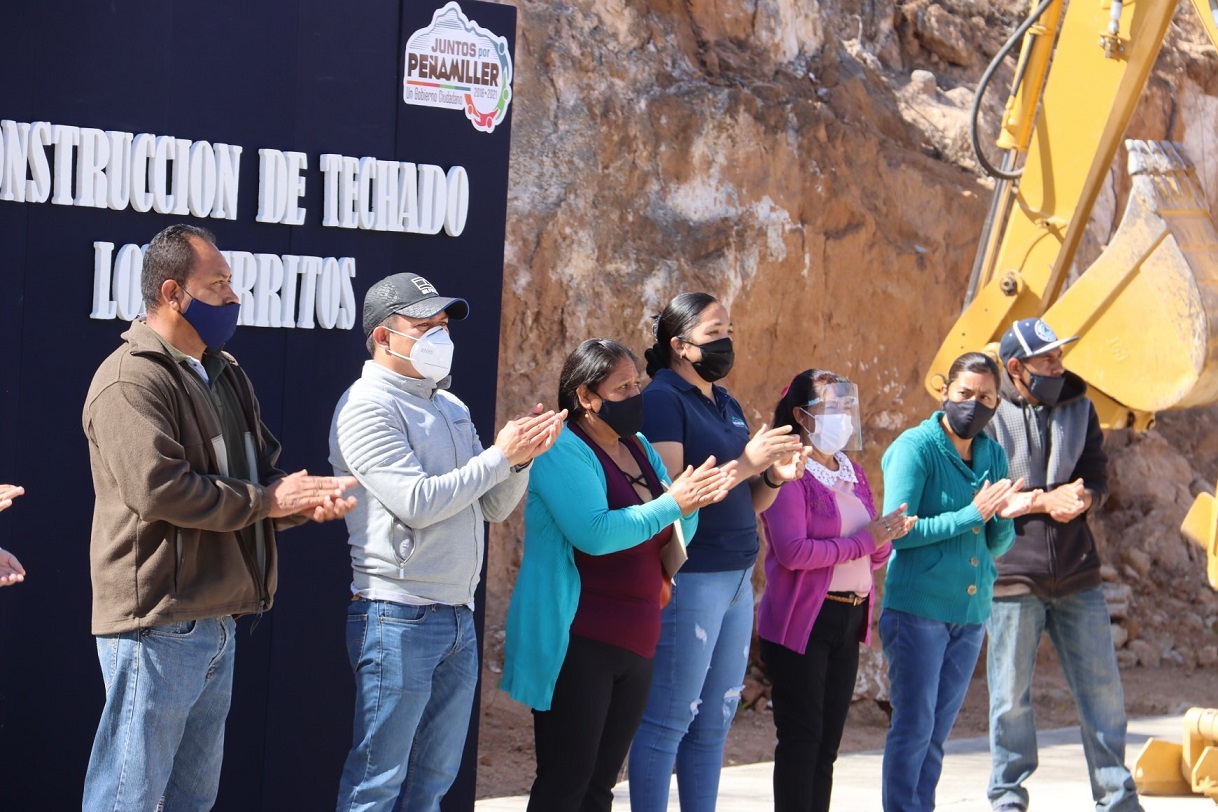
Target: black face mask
967, 417
717, 359
623, 416
1046, 390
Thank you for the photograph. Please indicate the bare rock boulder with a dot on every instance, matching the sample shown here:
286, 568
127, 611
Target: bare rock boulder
946, 35
872, 679
1146, 653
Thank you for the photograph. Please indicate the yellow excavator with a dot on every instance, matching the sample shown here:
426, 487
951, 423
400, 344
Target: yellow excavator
1146, 309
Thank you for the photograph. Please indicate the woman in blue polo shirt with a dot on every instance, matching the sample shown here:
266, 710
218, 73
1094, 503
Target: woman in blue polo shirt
706, 629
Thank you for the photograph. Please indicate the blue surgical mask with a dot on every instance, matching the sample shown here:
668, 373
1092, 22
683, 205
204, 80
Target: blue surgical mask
215, 324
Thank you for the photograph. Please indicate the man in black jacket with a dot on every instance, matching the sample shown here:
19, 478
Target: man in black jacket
1050, 579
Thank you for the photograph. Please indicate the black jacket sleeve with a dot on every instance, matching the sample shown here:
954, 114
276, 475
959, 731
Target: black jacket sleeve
1092, 465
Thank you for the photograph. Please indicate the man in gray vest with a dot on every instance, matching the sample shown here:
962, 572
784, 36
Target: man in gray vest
1050, 579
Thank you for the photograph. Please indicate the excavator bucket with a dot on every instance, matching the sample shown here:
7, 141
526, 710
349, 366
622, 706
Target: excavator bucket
1164, 768
1201, 527
1147, 308
1159, 769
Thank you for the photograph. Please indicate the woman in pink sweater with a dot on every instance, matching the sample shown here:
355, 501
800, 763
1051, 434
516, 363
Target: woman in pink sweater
824, 541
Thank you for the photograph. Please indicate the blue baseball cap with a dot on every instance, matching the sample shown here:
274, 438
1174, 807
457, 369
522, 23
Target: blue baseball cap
1028, 338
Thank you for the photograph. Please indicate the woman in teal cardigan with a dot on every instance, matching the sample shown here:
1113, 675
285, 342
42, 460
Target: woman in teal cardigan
953, 477
585, 612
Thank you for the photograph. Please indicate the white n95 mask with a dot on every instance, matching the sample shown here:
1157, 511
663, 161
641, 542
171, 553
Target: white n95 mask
432, 355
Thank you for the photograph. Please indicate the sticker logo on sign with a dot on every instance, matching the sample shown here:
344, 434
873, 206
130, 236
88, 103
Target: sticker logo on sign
457, 64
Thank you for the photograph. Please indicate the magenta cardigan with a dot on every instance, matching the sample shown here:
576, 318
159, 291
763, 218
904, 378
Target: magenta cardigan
803, 529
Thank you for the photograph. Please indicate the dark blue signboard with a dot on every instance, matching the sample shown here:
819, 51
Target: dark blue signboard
326, 145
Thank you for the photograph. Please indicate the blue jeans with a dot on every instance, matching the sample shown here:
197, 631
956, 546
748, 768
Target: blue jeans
416, 668
161, 734
1079, 627
705, 632
930, 665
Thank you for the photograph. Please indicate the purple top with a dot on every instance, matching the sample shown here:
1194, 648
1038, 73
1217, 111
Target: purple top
802, 528
619, 596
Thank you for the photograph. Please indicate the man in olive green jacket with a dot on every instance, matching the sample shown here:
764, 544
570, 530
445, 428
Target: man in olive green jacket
188, 499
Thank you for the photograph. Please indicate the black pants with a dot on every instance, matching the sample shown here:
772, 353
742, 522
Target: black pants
811, 694
582, 740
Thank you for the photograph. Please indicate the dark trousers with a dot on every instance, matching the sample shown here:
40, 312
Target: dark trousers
582, 740
811, 694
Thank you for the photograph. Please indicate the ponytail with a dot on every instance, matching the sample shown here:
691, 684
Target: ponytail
675, 321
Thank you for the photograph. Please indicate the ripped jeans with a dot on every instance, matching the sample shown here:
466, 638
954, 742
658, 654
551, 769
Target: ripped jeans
705, 633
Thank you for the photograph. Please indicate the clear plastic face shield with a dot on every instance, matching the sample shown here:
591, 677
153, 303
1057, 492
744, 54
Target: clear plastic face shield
832, 422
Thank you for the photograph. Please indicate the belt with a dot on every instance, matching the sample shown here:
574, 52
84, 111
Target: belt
846, 597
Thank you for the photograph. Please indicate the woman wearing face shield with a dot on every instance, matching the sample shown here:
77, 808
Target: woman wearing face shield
940, 579
585, 613
707, 628
823, 542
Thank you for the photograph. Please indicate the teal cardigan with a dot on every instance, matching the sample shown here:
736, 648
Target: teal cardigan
568, 509
943, 569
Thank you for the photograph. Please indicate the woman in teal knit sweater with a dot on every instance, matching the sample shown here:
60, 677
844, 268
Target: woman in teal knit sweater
953, 477
585, 613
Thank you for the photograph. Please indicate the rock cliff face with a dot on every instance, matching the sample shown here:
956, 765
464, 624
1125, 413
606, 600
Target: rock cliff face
806, 161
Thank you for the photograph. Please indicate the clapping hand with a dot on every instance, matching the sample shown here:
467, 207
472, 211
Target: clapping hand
530, 435
11, 571
8, 493
791, 468
318, 497
994, 496
698, 487
768, 446
1020, 503
891, 525
1065, 502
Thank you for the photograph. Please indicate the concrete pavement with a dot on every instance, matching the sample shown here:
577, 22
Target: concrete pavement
1059, 784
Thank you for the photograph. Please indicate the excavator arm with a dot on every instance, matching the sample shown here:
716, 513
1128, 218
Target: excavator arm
1146, 310
1082, 70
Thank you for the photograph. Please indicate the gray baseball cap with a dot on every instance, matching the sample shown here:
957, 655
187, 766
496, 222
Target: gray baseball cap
410, 295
